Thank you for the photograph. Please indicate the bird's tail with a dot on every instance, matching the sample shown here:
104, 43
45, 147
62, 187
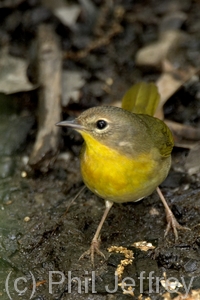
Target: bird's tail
141, 98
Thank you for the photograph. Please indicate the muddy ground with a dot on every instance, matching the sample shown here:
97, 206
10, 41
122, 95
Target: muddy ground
41, 238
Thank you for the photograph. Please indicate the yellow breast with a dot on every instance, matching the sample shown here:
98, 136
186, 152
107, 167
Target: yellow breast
116, 177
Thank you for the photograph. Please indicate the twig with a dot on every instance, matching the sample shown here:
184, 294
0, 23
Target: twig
49, 110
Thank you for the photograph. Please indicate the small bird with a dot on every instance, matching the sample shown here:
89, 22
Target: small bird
126, 153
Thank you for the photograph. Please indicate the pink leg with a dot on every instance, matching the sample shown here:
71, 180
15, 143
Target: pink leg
95, 244
171, 220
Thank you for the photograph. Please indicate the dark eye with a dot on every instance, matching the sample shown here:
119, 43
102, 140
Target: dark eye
101, 124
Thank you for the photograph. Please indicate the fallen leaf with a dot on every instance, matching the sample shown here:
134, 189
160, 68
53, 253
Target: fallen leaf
72, 82
68, 14
153, 54
13, 77
169, 82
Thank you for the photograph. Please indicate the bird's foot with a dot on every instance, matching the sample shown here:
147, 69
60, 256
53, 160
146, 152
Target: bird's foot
173, 224
94, 248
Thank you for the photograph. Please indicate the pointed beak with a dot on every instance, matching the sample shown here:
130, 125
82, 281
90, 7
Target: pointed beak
72, 124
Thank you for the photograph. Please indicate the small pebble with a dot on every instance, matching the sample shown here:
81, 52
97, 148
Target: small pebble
109, 81
8, 202
23, 174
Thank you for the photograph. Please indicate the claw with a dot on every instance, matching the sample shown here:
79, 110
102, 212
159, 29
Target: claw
94, 248
173, 224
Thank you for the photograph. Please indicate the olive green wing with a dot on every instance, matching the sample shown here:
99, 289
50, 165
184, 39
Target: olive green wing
161, 135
